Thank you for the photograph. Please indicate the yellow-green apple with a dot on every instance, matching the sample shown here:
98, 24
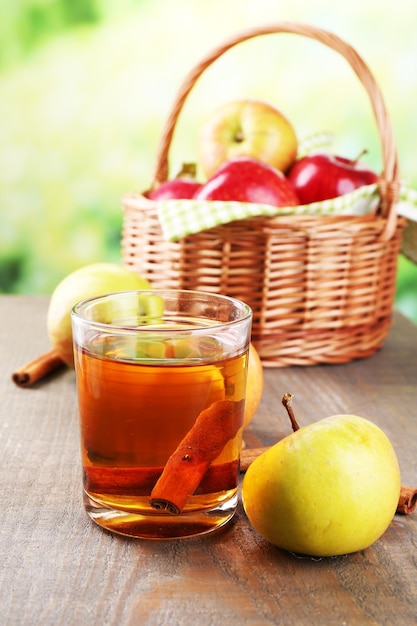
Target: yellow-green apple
88, 281
254, 385
244, 179
321, 176
330, 488
246, 128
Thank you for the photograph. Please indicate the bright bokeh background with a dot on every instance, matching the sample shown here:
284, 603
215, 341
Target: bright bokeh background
85, 86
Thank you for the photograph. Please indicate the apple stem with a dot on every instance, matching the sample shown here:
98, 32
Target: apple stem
360, 155
286, 401
188, 170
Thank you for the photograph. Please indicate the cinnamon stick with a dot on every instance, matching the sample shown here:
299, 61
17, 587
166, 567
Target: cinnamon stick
139, 481
187, 465
407, 502
247, 455
37, 369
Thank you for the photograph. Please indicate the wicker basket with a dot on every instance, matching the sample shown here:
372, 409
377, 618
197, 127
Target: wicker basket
321, 288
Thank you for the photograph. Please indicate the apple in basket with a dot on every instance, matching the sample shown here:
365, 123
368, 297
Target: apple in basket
244, 179
249, 128
175, 189
321, 176
183, 186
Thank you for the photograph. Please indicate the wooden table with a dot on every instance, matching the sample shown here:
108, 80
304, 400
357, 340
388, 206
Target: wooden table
57, 567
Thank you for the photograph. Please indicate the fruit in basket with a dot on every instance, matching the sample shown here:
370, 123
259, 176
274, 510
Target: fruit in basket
183, 186
328, 489
254, 385
244, 179
86, 282
175, 189
249, 128
322, 176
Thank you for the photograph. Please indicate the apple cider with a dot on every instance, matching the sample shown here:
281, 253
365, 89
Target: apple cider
161, 419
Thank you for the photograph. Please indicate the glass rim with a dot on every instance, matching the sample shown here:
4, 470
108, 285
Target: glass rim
79, 307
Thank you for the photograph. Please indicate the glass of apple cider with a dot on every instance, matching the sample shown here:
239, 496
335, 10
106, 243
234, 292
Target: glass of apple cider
161, 381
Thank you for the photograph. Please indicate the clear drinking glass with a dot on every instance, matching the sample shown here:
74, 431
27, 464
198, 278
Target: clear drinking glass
161, 380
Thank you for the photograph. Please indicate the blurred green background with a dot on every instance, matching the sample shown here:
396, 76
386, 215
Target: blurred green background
86, 85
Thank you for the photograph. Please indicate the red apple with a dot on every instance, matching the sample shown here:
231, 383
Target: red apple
178, 188
318, 177
249, 128
247, 180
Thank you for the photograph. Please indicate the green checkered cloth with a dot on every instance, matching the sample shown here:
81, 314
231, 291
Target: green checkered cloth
179, 218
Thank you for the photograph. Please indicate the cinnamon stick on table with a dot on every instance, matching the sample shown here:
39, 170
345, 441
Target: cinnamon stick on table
187, 465
408, 495
408, 500
37, 369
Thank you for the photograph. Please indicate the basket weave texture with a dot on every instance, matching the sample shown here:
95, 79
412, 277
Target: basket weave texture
321, 288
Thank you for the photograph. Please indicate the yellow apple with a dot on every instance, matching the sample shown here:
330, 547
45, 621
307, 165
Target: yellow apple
329, 488
250, 128
86, 282
254, 385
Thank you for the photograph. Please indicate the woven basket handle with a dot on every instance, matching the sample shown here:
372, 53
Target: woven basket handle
389, 181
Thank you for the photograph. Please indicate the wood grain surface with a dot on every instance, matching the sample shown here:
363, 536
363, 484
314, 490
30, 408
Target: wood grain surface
58, 568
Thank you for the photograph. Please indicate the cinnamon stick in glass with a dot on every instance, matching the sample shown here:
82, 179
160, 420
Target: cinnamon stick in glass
37, 369
139, 481
185, 468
